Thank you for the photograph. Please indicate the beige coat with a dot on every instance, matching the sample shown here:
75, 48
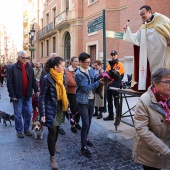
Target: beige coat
37, 73
152, 136
98, 101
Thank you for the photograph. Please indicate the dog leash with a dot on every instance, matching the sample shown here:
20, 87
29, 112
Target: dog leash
72, 119
37, 119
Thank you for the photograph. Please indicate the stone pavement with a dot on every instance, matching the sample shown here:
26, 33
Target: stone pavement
111, 151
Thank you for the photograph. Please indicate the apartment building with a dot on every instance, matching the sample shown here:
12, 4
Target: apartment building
2, 44
25, 31
62, 26
7, 46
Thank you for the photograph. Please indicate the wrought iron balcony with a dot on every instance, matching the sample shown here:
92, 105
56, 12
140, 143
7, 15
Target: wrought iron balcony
47, 29
62, 19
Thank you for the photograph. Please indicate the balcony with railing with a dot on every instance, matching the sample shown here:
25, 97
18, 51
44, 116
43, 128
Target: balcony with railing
45, 31
62, 19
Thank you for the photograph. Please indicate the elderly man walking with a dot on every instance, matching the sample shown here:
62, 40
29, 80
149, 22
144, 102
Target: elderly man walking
20, 84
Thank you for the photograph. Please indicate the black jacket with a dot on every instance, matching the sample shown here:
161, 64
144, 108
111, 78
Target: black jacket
43, 73
14, 81
48, 100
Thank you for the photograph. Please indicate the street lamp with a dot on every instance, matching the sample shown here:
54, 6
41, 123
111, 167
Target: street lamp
31, 38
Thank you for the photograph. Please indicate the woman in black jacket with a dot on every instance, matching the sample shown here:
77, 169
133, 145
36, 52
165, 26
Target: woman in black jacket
53, 103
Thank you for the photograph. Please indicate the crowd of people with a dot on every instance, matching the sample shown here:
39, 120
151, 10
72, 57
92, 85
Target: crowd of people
69, 86
60, 89
3, 72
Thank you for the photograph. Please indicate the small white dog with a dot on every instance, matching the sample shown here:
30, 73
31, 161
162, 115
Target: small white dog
37, 127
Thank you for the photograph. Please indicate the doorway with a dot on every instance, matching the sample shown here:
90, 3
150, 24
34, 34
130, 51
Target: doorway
93, 53
67, 46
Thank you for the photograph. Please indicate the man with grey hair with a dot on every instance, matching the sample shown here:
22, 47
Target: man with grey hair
53, 55
20, 84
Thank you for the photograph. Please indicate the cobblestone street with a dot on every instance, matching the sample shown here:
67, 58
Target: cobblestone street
110, 152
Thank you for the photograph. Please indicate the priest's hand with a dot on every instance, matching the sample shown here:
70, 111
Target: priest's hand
125, 27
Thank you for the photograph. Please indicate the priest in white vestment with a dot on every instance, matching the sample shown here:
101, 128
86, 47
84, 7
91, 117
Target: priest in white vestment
153, 37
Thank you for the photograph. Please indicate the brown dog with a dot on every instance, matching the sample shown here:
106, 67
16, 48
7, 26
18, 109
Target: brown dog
37, 127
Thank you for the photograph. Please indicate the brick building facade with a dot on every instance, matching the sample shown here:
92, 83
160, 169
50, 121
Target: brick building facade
61, 26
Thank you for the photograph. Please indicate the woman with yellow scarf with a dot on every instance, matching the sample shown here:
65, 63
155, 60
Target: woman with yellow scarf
53, 103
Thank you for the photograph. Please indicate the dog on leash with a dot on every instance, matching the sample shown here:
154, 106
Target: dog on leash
6, 117
37, 127
107, 77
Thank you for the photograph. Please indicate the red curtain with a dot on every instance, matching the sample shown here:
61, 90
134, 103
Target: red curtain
136, 70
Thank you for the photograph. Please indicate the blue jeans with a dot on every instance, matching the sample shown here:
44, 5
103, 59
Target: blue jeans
22, 108
86, 113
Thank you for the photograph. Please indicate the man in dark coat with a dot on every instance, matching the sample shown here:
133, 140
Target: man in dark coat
20, 84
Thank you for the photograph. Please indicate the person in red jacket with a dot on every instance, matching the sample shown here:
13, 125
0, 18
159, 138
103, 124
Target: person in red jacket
2, 74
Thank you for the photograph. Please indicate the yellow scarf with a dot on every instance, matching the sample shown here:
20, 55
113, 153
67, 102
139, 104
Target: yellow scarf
61, 91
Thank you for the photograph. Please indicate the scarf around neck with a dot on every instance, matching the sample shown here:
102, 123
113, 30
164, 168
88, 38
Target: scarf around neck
162, 100
60, 89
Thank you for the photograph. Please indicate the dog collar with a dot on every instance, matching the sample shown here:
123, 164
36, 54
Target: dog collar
106, 75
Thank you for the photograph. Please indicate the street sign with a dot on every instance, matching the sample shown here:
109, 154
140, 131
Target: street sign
113, 34
95, 24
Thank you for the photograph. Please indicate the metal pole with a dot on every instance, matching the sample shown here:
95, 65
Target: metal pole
104, 55
104, 40
31, 47
31, 55
31, 50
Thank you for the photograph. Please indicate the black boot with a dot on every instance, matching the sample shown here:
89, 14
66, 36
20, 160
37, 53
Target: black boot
96, 111
73, 129
110, 117
100, 114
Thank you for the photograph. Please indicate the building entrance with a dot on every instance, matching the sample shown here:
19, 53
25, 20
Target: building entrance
67, 46
93, 53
